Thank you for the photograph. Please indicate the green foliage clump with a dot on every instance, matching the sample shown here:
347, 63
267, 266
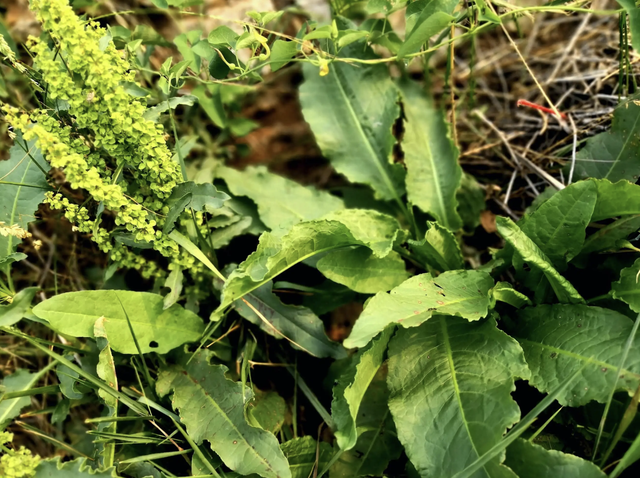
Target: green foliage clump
16, 463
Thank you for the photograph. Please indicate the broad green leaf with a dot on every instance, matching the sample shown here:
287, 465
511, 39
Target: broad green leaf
156, 329
425, 19
377, 443
185, 44
222, 237
174, 283
303, 453
267, 410
351, 130
529, 460
558, 226
223, 36
210, 99
281, 52
275, 254
281, 201
471, 202
531, 254
11, 258
79, 468
616, 199
363, 272
18, 204
504, 292
153, 114
439, 249
300, 325
213, 409
204, 197
16, 382
451, 382
615, 153
608, 237
352, 386
462, 293
433, 172
559, 339
627, 289
16, 310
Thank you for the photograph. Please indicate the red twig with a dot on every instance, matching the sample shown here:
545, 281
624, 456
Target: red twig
539, 107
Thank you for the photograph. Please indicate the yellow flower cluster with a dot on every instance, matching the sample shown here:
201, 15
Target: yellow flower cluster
105, 146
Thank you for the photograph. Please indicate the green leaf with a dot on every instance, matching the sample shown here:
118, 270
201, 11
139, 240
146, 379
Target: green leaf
153, 114
485, 14
174, 283
559, 339
471, 202
199, 197
616, 199
222, 237
299, 324
69, 381
17, 309
361, 271
303, 453
504, 292
614, 154
11, 258
627, 288
213, 408
281, 201
351, 130
185, 44
608, 237
532, 255
19, 203
18, 381
281, 52
352, 386
223, 36
462, 293
267, 411
377, 443
210, 99
219, 65
433, 17
156, 330
79, 468
532, 461
433, 172
558, 226
439, 249
455, 395
349, 227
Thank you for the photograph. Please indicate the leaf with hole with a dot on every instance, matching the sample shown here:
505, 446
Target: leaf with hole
462, 293
156, 329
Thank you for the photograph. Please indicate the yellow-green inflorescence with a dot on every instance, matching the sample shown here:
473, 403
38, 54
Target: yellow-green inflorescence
16, 463
107, 147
